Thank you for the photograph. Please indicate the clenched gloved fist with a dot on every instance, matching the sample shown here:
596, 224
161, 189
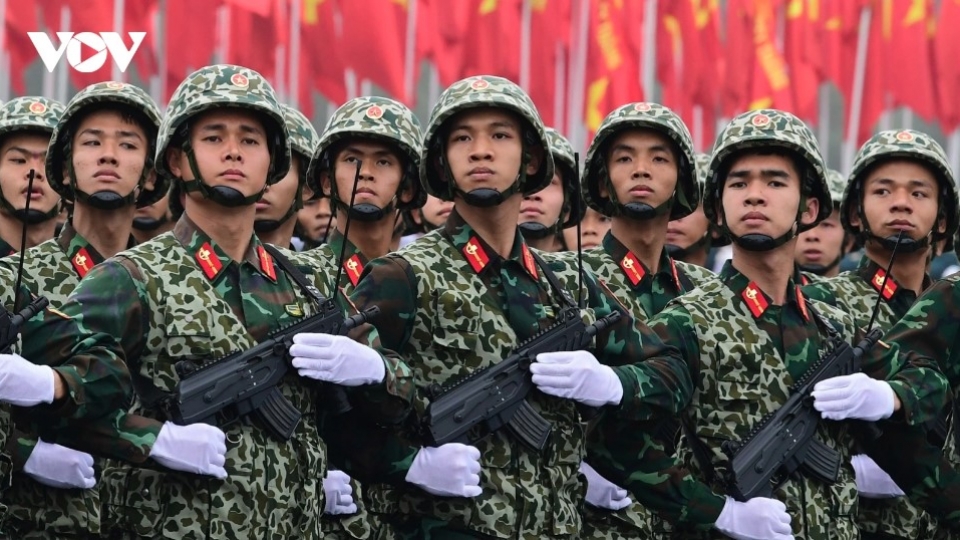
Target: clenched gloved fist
757, 519
24, 383
197, 448
339, 494
603, 493
451, 470
60, 467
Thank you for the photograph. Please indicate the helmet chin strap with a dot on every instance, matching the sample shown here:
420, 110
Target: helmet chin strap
105, 199
28, 216
367, 212
821, 269
677, 252
222, 195
907, 244
149, 223
532, 230
270, 225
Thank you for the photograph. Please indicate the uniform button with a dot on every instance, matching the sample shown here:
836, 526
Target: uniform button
145, 492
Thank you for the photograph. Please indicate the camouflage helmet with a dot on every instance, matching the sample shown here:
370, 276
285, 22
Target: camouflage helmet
644, 116
303, 141
763, 129
565, 163
30, 113
225, 85
377, 118
479, 92
837, 184
902, 144
703, 167
96, 95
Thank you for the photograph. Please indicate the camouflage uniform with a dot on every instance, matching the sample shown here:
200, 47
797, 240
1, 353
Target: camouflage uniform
178, 298
387, 121
747, 352
303, 140
27, 114
456, 306
644, 293
857, 292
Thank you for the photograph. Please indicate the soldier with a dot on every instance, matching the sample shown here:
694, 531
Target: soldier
901, 181
153, 220
594, 226
545, 213
25, 127
820, 249
754, 333
382, 135
100, 158
688, 238
314, 220
275, 220
462, 297
206, 289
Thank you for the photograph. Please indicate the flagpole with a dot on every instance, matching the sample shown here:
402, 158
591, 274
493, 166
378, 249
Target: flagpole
578, 75
5, 57
118, 7
907, 122
859, 71
296, 12
823, 112
62, 75
526, 17
698, 128
160, 45
559, 88
433, 91
223, 34
410, 55
954, 152
649, 49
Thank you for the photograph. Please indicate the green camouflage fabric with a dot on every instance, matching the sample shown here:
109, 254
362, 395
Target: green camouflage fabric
98, 95
837, 184
857, 292
479, 92
225, 85
38, 511
303, 141
165, 309
641, 116
653, 441
766, 128
745, 366
902, 144
448, 320
377, 118
29, 113
565, 164
717, 239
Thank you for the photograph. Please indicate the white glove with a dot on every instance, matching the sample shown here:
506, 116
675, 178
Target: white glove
339, 494
336, 359
451, 470
60, 467
757, 519
577, 375
603, 493
24, 383
197, 448
853, 396
872, 481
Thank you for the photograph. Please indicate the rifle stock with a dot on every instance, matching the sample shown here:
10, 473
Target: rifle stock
496, 396
10, 323
245, 382
784, 440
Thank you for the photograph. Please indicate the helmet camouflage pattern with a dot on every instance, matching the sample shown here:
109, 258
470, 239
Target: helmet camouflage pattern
479, 92
565, 164
903, 144
703, 167
377, 118
96, 95
220, 86
837, 184
764, 129
30, 113
642, 116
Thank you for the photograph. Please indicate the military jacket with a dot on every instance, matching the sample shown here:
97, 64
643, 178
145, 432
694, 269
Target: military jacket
456, 306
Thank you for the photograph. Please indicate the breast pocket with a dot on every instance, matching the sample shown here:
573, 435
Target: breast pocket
742, 396
456, 322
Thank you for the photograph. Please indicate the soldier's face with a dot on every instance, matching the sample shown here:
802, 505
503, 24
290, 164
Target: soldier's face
686, 231
109, 153
761, 194
900, 195
544, 206
822, 244
279, 197
18, 154
156, 210
435, 211
643, 167
231, 149
381, 172
484, 149
592, 230
313, 218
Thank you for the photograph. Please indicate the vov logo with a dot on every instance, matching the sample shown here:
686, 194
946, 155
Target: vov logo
101, 43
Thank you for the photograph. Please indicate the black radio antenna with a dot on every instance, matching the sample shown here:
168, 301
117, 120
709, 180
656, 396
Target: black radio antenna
883, 284
346, 225
23, 240
577, 207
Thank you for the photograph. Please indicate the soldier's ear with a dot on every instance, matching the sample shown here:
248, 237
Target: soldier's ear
536, 159
174, 157
811, 211
150, 182
325, 184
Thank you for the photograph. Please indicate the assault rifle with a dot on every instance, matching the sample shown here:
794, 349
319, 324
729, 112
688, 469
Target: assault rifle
245, 382
496, 396
784, 440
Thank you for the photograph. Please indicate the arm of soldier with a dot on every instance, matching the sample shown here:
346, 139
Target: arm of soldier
87, 341
20, 445
907, 357
119, 435
653, 373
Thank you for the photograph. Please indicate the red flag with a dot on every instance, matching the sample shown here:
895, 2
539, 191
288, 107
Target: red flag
271, 32
93, 16
873, 100
738, 61
20, 18
321, 66
549, 41
190, 39
841, 25
771, 81
947, 68
138, 16
441, 26
910, 49
257, 7
803, 54
374, 41
613, 77
492, 40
